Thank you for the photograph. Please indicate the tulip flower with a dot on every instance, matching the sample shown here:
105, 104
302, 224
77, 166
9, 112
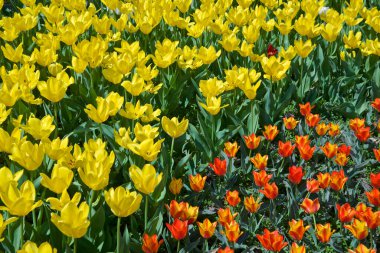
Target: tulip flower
39, 128
271, 51
252, 205
173, 127
151, 244
273, 241
145, 180
376, 104
334, 129
270, 132
312, 185
4, 224
285, 149
341, 159
377, 154
306, 152
197, 182
178, 229
28, 155
345, 212
295, 174
230, 149
213, 105
225, 216
259, 161
374, 197
356, 124
375, 180
297, 249
58, 204
310, 206
303, 48
232, 231
206, 228
297, 229
324, 232
363, 134
147, 149
60, 180
261, 178
219, 166
312, 119
270, 191
232, 197
122, 202
337, 180
73, 221
359, 229
362, 249
7, 178
252, 141
4, 113
31, 247
322, 129
290, 123
175, 186
302, 140
330, 150
324, 180
274, 68
225, 250
305, 109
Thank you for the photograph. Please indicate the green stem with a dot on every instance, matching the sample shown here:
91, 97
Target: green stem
118, 235
171, 148
212, 129
34, 218
315, 223
22, 231
75, 245
92, 193
146, 211
178, 245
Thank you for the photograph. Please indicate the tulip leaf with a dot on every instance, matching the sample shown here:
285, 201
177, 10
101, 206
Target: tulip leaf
97, 222
155, 225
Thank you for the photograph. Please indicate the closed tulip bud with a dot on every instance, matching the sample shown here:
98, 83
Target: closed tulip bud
219, 166
270, 132
4, 224
362, 249
230, 149
338, 180
324, 232
206, 228
290, 123
359, 229
178, 229
363, 134
330, 150
297, 229
232, 197
375, 180
312, 119
73, 221
232, 231
322, 129
175, 186
270, 191
151, 244
31, 247
261, 178
197, 182
251, 205
295, 174
173, 127
297, 249
272, 241
374, 197
376, 104
324, 180
145, 180
122, 202
225, 216
259, 161
310, 206
285, 149
60, 180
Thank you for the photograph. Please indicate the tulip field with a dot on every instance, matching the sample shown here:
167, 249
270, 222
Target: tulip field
189, 126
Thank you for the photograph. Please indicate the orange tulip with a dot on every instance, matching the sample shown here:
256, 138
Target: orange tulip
295, 174
312, 185
374, 197
363, 134
362, 249
377, 154
359, 229
375, 180
297, 229
360, 211
302, 140
312, 119
232, 231
345, 212
178, 229
197, 182
270, 132
356, 124
192, 214
231, 149
306, 152
334, 129
273, 241
371, 218
305, 109
324, 180
252, 141
341, 159
151, 244
285, 149
324, 232
322, 129
310, 206
290, 123
219, 167
261, 178
232, 197
376, 104
259, 161
270, 191
338, 180
206, 228
330, 150
344, 149
225, 216
177, 210
297, 249
225, 250
251, 205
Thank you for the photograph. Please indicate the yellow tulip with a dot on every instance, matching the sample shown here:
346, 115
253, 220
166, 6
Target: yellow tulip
4, 224
28, 155
78, 64
20, 202
166, 53
208, 55
147, 149
303, 48
213, 105
39, 128
14, 55
1, 4
57, 148
211, 87
4, 113
136, 86
274, 68
58, 204
56, 68
145, 132
10, 94
122, 137
7, 178
31, 247
250, 90
133, 112
45, 56
229, 41
352, 41
173, 127
245, 49
73, 220
54, 89
106, 107
145, 180
8, 141
287, 54
330, 32
122, 202
251, 33
60, 180
150, 114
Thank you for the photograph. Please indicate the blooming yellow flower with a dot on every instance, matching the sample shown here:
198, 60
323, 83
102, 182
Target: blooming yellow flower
303, 48
166, 53
133, 112
175, 186
4, 113
14, 55
213, 105
27, 154
60, 180
31, 247
274, 68
211, 87
147, 149
7, 178
54, 89
145, 180
173, 127
39, 128
58, 204
122, 202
